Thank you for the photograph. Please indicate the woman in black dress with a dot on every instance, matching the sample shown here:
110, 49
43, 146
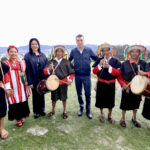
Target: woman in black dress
3, 106
35, 63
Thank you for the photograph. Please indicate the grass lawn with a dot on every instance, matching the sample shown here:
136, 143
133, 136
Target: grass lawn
77, 133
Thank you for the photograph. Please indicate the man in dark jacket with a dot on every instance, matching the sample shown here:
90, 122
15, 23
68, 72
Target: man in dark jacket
82, 57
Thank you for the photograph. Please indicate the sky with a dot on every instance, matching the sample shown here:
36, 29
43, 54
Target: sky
59, 21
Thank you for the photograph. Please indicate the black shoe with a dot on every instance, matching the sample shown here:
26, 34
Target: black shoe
43, 113
36, 116
89, 115
80, 112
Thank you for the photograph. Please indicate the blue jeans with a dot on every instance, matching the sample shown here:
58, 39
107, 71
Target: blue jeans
86, 82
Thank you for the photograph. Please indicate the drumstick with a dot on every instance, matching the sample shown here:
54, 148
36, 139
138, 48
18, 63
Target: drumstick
138, 67
62, 81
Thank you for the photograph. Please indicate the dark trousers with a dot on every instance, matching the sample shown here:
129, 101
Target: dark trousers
85, 81
38, 102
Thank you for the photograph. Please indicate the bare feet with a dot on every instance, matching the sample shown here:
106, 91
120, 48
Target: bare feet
4, 134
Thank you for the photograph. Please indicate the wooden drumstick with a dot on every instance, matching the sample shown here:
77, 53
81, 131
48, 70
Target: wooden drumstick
62, 81
138, 67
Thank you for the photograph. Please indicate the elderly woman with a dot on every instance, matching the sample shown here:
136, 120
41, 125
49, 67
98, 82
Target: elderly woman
128, 70
35, 63
18, 104
65, 72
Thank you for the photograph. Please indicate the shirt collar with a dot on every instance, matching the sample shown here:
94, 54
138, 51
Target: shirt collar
58, 60
81, 51
132, 61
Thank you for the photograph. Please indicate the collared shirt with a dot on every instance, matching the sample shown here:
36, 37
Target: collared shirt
58, 60
132, 61
81, 51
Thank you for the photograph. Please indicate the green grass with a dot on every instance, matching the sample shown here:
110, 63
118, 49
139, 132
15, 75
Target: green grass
77, 133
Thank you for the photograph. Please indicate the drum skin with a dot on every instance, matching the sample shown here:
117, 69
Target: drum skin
52, 83
140, 85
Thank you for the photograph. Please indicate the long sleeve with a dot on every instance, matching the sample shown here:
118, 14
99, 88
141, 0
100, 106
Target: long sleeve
93, 56
67, 79
71, 56
46, 71
7, 81
97, 69
28, 72
118, 73
148, 74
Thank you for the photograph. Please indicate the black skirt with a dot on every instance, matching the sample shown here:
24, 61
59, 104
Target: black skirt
3, 105
60, 93
146, 109
130, 101
18, 111
105, 95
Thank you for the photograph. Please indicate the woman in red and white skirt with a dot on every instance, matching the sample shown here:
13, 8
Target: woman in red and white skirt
18, 104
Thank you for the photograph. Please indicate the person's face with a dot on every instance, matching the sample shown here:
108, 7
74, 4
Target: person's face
80, 42
13, 53
34, 46
106, 52
59, 53
135, 53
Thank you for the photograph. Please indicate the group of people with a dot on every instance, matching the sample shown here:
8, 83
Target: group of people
18, 77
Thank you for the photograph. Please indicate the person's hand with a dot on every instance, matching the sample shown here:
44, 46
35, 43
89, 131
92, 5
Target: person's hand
125, 86
142, 73
51, 66
69, 83
106, 65
9, 92
31, 86
101, 62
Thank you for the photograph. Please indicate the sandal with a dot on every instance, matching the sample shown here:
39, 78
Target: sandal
51, 114
4, 134
65, 116
111, 120
19, 124
102, 118
123, 123
136, 123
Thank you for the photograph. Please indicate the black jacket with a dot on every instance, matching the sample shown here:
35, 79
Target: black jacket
34, 67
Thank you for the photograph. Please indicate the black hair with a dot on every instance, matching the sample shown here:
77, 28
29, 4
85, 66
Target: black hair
34, 39
79, 35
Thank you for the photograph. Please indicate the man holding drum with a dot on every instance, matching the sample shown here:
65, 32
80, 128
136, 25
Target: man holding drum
63, 69
129, 69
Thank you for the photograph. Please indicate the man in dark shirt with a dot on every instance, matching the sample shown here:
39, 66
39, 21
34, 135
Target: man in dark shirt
82, 58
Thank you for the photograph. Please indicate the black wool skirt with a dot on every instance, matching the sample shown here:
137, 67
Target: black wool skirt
130, 101
60, 93
18, 111
105, 95
146, 109
3, 105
